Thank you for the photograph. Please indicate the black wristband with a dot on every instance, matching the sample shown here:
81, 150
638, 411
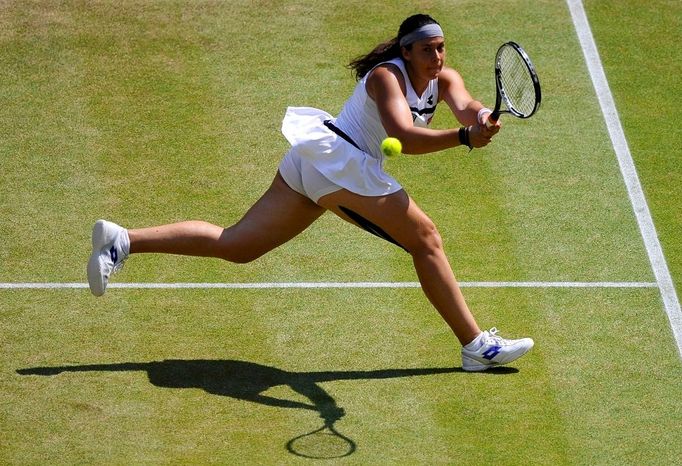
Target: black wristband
464, 137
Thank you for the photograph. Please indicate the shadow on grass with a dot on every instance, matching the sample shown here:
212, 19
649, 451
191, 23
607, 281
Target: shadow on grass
248, 381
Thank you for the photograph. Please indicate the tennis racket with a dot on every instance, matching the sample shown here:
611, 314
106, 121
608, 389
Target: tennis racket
323, 443
518, 86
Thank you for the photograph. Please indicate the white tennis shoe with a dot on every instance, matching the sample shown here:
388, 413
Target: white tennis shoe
490, 350
110, 247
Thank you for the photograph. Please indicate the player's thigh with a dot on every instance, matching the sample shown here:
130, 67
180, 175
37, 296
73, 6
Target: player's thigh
396, 214
279, 215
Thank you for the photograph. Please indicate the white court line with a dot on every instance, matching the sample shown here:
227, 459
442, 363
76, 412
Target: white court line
628, 170
303, 285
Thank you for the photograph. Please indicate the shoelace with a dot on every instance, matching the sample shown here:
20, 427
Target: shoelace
493, 337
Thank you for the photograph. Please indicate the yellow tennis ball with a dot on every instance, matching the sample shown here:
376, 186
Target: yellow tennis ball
391, 147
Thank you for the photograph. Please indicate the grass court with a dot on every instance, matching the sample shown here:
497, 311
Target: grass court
152, 112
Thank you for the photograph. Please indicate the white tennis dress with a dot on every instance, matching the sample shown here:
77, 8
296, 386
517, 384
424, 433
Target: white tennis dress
317, 150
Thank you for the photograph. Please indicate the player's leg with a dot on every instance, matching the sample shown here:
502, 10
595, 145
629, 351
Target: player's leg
397, 218
279, 215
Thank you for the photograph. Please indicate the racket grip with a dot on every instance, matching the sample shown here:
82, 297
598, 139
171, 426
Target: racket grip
492, 119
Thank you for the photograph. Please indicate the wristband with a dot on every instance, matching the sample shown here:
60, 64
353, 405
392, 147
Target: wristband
463, 134
481, 113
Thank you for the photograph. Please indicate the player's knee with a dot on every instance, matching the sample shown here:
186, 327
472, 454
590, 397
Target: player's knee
239, 249
427, 240
240, 256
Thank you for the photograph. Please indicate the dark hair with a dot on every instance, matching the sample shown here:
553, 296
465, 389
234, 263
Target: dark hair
390, 49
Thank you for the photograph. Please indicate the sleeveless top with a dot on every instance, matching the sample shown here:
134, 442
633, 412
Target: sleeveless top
360, 119
359, 169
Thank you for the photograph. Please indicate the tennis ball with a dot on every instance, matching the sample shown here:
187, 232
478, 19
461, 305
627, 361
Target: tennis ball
391, 147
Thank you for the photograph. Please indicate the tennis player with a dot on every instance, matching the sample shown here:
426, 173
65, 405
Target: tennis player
335, 164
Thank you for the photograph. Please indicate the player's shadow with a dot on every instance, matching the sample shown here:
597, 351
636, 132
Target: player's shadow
249, 381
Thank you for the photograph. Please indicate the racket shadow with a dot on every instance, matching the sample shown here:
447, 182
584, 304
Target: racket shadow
248, 381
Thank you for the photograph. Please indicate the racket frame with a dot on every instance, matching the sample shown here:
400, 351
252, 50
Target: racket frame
502, 95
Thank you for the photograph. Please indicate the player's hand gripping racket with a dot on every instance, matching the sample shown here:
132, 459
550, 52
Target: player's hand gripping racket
517, 83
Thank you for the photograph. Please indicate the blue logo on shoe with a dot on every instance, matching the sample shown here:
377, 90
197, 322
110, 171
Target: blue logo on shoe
114, 254
490, 353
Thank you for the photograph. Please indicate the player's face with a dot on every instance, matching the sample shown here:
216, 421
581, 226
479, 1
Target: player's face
427, 56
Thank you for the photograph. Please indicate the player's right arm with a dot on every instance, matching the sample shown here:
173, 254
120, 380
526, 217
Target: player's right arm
386, 86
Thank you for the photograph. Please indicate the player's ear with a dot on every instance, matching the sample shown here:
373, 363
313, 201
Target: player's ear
405, 53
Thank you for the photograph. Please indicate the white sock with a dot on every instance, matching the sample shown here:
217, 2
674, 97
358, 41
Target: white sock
475, 343
123, 241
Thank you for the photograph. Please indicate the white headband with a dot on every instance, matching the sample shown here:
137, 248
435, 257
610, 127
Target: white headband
424, 32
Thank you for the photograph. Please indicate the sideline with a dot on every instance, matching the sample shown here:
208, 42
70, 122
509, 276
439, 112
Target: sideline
627, 167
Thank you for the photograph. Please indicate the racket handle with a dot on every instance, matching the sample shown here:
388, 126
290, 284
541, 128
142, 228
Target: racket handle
492, 119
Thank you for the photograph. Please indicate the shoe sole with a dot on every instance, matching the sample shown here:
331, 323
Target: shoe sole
99, 239
473, 365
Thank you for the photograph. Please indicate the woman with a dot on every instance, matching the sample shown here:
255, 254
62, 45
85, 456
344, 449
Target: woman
337, 165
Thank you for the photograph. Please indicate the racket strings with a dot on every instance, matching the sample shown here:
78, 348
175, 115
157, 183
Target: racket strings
517, 82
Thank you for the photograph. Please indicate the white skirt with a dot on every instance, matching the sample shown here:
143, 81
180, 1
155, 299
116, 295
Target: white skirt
336, 159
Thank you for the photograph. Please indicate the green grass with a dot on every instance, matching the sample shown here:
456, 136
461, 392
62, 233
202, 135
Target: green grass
151, 112
644, 67
562, 406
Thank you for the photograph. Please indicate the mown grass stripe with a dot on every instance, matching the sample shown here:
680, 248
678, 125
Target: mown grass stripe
302, 285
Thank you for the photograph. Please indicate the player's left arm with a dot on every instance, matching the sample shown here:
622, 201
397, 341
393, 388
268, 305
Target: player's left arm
452, 90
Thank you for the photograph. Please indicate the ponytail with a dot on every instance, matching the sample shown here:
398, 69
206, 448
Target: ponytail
363, 64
